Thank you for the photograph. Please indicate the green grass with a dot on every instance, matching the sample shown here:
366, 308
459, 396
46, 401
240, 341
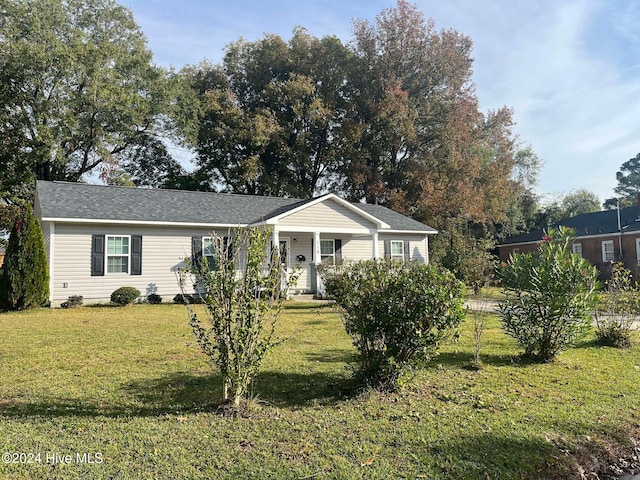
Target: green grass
129, 383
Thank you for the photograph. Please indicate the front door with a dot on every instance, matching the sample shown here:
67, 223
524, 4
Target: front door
284, 252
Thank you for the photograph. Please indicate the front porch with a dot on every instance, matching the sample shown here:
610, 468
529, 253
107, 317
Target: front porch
305, 251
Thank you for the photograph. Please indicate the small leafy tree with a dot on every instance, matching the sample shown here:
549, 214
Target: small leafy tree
464, 249
395, 314
25, 274
478, 325
621, 305
243, 296
549, 295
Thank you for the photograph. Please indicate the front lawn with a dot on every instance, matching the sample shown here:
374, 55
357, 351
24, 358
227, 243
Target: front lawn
128, 389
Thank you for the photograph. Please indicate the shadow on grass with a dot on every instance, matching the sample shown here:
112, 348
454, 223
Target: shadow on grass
491, 455
333, 356
308, 306
183, 392
465, 359
291, 390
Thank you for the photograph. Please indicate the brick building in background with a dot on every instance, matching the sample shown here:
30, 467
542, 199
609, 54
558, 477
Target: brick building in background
601, 238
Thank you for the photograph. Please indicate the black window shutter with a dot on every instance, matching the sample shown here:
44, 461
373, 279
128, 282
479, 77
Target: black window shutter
97, 255
228, 245
387, 249
407, 251
337, 243
313, 250
196, 251
136, 254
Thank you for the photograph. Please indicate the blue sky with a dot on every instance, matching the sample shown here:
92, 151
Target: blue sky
570, 69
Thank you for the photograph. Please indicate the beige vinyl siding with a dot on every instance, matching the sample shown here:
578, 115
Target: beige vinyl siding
163, 252
328, 214
417, 244
357, 247
46, 233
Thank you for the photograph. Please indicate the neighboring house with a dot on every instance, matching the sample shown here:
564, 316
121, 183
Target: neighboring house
601, 237
99, 238
2, 250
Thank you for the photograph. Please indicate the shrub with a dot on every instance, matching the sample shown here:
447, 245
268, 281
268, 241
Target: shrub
397, 315
73, 301
154, 299
549, 295
181, 299
25, 273
124, 295
241, 310
620, 306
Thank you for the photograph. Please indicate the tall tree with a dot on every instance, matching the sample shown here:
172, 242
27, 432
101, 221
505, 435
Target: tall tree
78, 91
420, 143
578, 202
628, 187
272, 114
24, 277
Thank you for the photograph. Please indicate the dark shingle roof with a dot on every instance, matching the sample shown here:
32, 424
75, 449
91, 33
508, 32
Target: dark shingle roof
77, 200
395, 220
84, 201
587, 224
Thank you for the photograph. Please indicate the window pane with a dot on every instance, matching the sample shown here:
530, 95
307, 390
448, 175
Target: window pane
207, 247
397, 248
117, 264
326, 247
117, 245
607, 251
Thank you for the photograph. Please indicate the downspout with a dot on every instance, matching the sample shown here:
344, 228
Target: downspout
619, 233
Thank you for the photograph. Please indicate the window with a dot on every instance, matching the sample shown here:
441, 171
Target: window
515, 250
397, 250
208, 252
117, 254
327, 252
577, 249
607, 251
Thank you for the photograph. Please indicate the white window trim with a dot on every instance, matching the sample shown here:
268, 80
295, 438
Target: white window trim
576, 248
604, 251
638, 250
323, 257
120, 255
397, 257
206, 256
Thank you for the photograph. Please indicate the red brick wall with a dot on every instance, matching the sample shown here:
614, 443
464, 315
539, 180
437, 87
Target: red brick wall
591, 250
505, 251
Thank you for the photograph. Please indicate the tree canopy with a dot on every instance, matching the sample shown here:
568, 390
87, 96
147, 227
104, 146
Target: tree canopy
391, 117
79, 93
272, 115
628, 187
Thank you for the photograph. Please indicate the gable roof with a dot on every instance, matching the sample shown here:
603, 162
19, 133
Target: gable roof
332, 196
589, 224
63, 201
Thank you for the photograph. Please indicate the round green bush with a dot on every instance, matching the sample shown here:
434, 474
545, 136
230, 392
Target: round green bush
124, 295
181, 299
154, 298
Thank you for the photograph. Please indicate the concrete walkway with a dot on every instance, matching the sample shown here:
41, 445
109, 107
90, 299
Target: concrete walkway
492, 306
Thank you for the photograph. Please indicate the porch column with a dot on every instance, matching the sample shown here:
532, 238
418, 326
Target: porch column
275, 243
376, 253
426, 249
275, 238
317, 261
